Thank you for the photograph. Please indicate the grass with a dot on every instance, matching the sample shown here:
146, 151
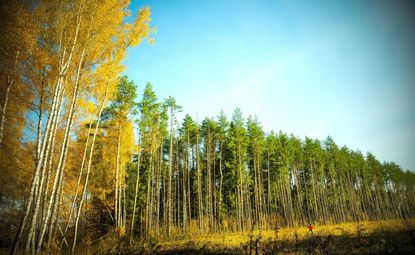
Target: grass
367, 237
236, 239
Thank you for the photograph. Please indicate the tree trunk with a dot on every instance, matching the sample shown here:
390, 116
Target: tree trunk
10, 83
136, 187
91, 152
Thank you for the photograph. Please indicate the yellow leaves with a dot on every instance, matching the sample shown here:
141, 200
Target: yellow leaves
17, 25
87, 109
141, 28
105, 80
110, 142
127, 142
120, 231
103, 36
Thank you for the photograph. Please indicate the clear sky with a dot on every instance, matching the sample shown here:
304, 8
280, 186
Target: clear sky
311, 68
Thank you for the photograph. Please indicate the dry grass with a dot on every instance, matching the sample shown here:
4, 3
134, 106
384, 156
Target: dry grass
236, 239
367, 237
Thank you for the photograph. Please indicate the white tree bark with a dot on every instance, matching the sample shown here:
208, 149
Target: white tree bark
64, 149
91, 153
46, 146
35, 179
77, 186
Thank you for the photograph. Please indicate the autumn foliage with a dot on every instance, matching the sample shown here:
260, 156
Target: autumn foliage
60, 66
86, 157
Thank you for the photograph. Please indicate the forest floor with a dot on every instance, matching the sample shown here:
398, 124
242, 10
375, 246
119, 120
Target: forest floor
368, 237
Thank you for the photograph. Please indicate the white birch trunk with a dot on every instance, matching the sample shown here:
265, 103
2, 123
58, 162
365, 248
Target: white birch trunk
46, 146
35, 177
64, 150
89, 167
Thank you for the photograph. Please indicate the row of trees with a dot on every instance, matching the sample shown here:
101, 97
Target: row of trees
229, 175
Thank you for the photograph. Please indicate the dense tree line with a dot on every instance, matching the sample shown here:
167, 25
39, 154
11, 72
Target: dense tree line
83, 154
229, 174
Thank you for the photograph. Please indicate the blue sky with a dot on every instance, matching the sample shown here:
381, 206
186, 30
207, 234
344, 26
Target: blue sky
311, 68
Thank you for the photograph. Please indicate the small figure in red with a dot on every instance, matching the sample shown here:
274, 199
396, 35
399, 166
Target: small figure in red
310, 228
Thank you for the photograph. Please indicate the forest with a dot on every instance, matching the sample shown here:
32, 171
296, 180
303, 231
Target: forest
85, 153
